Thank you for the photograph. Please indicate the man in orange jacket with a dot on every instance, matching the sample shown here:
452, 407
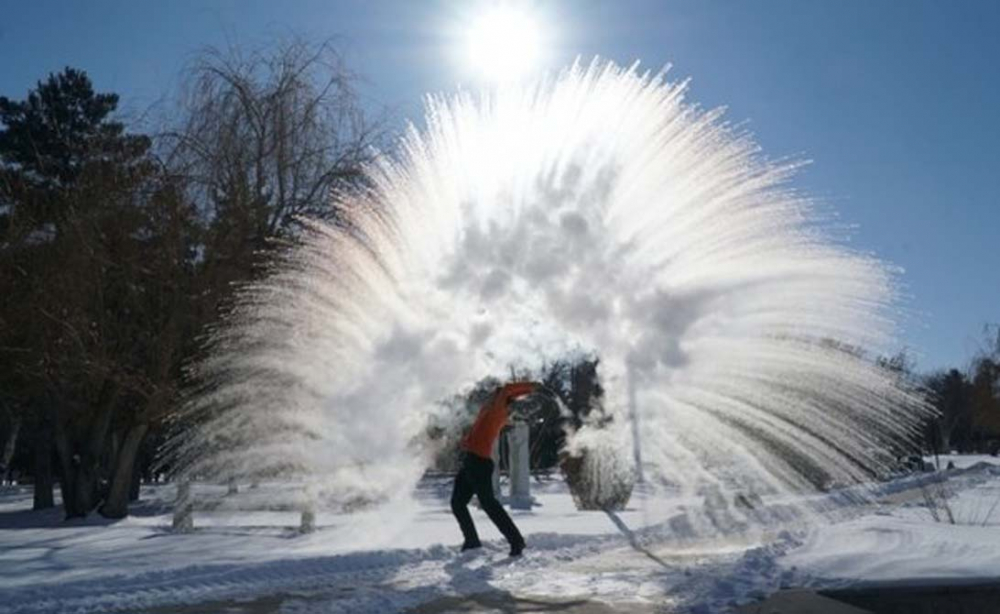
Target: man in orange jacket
476, 475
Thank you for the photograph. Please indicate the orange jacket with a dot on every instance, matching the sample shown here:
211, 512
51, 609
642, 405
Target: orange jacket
491, 419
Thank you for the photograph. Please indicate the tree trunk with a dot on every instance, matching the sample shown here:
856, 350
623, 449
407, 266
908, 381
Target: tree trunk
116, 504
82, 487
109, 459
9, 446
82, 465
945, 432
74, 504
43, 466
136, 482
67, 474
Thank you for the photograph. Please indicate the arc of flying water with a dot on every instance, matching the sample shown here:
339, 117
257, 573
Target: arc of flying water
596, 211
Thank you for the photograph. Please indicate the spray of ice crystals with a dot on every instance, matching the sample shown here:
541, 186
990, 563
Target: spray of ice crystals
599, 212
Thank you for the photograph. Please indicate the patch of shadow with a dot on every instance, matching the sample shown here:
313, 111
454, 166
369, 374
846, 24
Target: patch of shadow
51, 518
271, 604
938, 597
501, 601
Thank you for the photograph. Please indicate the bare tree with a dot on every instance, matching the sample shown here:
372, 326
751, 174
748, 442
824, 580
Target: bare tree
264, 137
267, 136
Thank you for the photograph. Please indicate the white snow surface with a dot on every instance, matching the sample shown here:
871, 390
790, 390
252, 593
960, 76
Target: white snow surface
906, 544
405, 553
961, 461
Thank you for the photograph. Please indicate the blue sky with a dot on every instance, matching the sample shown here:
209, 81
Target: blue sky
896, 103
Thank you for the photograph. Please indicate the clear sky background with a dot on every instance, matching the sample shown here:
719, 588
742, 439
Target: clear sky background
895, 102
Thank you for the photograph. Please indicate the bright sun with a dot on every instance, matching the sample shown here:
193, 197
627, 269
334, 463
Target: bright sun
502, 44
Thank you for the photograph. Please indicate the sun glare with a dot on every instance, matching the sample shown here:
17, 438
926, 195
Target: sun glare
503, 44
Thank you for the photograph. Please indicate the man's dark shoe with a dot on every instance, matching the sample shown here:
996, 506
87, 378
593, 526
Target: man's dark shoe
471, 546
516, 548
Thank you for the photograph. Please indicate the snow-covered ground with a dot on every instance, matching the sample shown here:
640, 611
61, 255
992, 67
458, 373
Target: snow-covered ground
961, 461
661, 551
946, 530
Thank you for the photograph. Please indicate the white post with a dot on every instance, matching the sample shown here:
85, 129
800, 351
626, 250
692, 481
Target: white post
520, 470
307, 523
184, 508
634, 415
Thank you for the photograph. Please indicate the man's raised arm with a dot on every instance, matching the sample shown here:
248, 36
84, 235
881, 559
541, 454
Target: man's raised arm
517, 389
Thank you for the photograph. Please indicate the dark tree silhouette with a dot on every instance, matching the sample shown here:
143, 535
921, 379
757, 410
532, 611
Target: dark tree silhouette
950, 393
73, 185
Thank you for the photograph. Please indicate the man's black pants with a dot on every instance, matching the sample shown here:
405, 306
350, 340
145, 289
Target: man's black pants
476, 478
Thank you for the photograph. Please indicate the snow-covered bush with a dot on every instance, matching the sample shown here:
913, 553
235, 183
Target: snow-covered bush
599, 475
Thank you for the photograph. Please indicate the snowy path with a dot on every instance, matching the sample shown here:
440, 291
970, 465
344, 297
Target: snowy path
404, 558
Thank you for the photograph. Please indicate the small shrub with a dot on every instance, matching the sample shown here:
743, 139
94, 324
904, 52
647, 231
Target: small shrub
598, 479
